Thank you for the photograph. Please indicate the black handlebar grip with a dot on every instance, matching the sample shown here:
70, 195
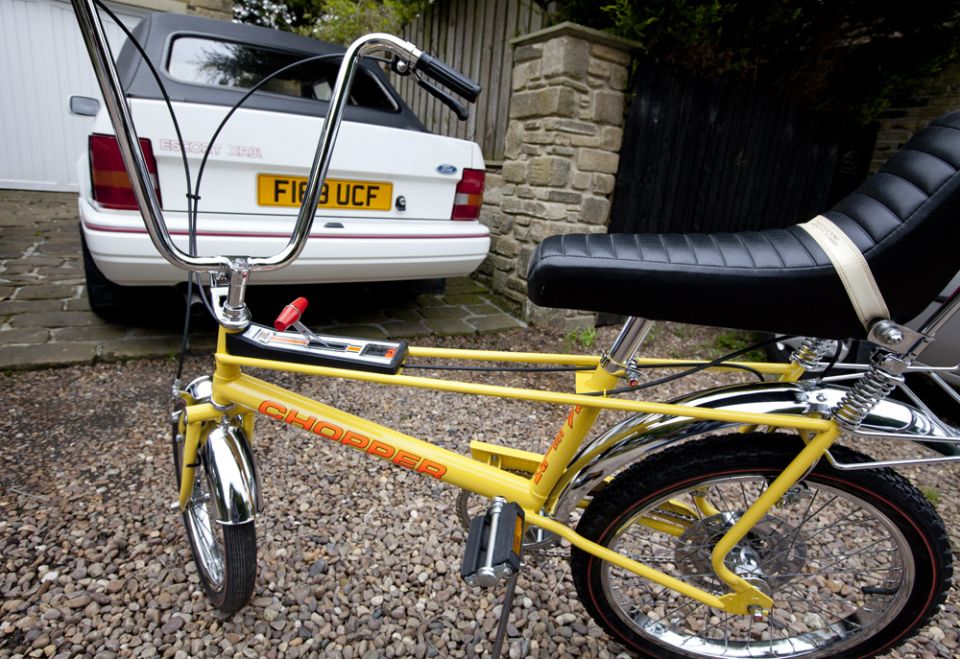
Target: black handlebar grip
449, 77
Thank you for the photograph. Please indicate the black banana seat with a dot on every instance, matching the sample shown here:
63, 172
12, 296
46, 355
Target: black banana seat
905, 219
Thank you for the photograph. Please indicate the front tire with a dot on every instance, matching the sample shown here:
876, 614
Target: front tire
225, 554
856, 561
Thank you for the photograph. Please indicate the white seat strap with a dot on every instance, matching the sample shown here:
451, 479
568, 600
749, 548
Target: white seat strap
854, 272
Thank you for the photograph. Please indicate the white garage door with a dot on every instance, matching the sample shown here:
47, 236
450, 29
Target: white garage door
42, 63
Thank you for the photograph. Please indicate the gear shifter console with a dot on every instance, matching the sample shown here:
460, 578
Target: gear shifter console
261, 342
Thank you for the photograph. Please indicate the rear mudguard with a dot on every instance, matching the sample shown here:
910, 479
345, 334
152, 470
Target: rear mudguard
630, 440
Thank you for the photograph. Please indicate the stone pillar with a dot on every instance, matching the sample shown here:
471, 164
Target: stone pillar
561, 153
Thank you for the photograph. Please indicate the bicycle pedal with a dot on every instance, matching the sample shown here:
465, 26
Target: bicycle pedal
493, 544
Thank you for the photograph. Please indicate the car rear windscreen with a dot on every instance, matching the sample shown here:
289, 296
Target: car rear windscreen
228, 64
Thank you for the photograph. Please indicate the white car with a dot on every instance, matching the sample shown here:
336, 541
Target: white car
399, 202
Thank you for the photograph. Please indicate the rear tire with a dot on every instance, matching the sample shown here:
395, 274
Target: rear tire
129, 305
107, 300
435, 286
856, 561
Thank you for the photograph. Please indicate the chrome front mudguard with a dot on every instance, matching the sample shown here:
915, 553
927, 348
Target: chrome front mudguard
630, 440
234, 480
225, 452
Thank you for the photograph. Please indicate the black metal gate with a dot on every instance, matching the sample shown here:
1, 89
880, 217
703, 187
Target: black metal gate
703, 155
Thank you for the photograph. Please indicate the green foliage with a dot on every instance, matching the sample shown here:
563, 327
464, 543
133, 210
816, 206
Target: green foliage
852, 56
336, 21
345, 20
583, 338
625, 21
931, 494
279, 14
688, 23
732, 341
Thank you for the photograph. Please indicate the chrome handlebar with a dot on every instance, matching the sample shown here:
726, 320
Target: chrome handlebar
237, 267
328, 137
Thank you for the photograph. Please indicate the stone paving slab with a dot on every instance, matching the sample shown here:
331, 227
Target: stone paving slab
45, 318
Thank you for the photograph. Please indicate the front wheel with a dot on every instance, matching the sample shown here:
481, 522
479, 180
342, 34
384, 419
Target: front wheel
855, 561
225, 554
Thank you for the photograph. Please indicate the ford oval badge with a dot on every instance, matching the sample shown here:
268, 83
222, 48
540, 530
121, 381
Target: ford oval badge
446, 169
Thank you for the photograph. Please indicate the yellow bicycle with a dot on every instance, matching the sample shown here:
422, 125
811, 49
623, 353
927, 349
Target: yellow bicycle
768, 541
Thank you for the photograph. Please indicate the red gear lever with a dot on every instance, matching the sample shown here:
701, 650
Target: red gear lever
290, 314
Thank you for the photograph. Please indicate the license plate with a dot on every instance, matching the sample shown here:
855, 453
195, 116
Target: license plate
275, 190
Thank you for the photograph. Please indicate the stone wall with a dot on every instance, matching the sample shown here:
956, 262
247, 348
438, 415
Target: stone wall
936, 97
222, 9
561, 153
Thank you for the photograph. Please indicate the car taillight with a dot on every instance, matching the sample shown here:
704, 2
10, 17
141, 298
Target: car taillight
469, 197
111, 185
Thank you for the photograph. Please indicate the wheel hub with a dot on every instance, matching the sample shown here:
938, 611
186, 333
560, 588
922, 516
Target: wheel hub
770, 555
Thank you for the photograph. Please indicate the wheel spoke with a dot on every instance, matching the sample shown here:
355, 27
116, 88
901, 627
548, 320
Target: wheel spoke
206, 534
829, 535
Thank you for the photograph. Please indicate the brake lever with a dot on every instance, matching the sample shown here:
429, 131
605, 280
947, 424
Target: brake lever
445, 98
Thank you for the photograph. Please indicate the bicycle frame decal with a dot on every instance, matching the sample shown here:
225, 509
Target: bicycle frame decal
555, 444
332, 431
368, 437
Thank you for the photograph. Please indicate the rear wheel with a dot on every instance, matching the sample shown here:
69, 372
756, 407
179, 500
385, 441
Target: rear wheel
855, 561
126, 305
427, 286
225, 554
107, 300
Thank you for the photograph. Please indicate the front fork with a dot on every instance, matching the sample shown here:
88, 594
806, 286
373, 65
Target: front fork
222, 442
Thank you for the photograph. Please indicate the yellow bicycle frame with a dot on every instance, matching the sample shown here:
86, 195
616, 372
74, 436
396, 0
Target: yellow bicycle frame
487, 476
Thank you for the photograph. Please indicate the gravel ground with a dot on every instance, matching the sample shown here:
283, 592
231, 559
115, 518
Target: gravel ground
356, 559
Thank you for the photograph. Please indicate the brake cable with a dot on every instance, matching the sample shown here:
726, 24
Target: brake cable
719, 361
696, 368
213, 139
184, 339
501, 369
193, 199
193, 192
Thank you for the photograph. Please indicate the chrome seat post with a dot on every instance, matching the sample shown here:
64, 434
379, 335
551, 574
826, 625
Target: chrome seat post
631, 337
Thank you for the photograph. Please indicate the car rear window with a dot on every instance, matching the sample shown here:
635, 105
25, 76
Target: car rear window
229, 64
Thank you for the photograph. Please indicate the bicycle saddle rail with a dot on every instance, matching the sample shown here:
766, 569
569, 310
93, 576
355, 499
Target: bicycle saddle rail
91, 27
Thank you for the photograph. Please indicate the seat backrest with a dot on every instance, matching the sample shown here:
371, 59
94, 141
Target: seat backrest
906, 218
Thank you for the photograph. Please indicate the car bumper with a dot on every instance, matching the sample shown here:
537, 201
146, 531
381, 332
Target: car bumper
348, 251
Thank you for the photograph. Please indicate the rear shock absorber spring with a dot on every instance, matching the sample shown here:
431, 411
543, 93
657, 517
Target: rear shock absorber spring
811, 352
875, 385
